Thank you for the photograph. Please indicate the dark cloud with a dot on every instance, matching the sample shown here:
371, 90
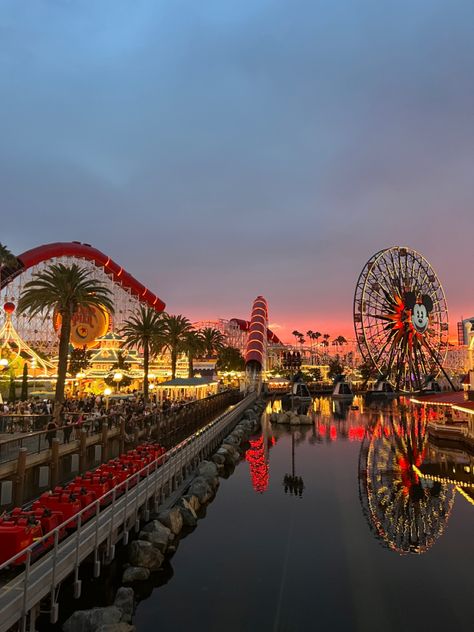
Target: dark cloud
225, 149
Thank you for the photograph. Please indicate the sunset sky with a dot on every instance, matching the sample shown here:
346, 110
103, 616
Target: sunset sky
223, 149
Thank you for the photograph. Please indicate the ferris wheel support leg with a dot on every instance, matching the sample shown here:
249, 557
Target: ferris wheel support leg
433, 355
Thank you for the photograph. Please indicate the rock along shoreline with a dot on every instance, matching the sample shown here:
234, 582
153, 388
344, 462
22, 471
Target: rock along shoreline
159, 538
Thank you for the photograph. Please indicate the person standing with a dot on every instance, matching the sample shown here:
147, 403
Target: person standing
51, 433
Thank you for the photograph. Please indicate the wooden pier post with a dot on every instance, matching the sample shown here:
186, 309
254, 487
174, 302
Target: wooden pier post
82, 450
105, 443
54, 463
20, 477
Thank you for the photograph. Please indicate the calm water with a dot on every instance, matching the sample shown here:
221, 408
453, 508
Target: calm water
367, 546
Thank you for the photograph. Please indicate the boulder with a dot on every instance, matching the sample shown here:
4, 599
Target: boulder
159, 527
218, 459
232, 450
231, 440
200, 487
295, 420
117, 627
228, 452
207, 469
154, 538
125, 601
187, 512
156, 533
91, 620
193, 501
274, 418
245, 430
305, 420
213, 482
250, 413
143, 553
172, 519
135, 574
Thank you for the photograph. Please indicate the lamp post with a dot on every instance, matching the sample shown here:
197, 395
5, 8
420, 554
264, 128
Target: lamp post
3, 367
107, 393
79, 377
292, 483
117, 378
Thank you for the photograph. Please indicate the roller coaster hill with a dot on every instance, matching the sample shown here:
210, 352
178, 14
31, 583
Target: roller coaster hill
39, 332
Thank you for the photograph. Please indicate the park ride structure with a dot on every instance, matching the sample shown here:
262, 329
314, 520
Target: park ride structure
256, 350
401, 319
40, 332
13, 347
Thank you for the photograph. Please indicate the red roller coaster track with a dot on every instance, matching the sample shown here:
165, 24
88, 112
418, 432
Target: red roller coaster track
40, 254
244, 325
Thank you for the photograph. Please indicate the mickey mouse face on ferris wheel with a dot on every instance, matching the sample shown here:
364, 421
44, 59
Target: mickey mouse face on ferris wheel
420, 310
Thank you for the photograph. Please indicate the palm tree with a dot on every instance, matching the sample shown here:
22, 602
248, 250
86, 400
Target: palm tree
193, 345
7, 260
297, 334
63, 289
6, 257
144, 331
326, 340
317, 336
341, 340
175, 330
230, 359
213, 341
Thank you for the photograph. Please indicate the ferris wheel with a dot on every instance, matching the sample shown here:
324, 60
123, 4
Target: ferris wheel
401, 318
406, 513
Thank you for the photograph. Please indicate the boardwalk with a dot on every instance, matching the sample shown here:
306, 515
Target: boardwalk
22, 595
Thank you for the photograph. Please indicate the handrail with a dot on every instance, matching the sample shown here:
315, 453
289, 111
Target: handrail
165, 457
93, 425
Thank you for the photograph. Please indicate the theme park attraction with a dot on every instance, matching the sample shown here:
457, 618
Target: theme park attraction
35, 340
401, 319
256, 352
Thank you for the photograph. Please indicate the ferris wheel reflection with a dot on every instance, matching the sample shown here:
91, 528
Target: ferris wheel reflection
406, 512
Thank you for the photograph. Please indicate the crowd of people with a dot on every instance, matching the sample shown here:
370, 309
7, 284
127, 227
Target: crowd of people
89, 412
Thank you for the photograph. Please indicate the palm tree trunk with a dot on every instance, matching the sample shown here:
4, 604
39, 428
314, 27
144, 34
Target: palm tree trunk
174, 359
146, 362
62, 362
190, 365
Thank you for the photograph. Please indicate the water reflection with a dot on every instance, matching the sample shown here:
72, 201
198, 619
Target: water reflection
259, 466
405, 511
407, 483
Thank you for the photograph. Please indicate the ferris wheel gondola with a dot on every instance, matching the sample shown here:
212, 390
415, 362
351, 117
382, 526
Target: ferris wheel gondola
401, 319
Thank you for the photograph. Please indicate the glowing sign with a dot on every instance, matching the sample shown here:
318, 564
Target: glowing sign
86, 326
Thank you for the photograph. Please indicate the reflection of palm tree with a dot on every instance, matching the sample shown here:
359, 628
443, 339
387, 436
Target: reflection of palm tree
63, 289
407, 514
